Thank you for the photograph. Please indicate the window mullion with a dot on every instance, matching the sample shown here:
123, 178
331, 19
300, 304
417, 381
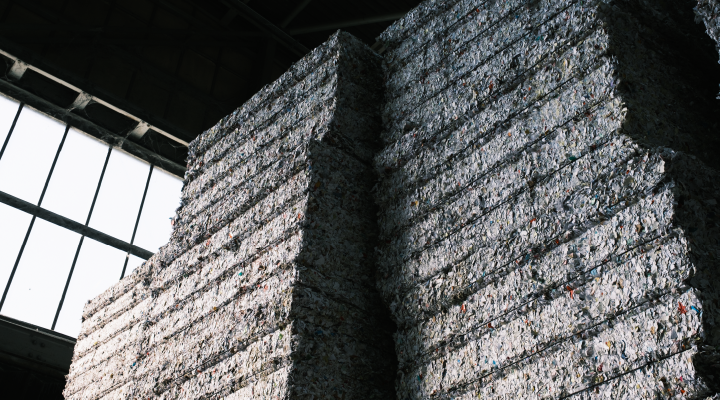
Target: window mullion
77, 252
67, 283
17, 261
97, 191
32, 221
12, 127
137, 221
52, 168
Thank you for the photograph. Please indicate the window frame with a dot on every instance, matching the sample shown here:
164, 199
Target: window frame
36, 210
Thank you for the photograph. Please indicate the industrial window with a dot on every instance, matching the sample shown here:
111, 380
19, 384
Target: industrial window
52, 172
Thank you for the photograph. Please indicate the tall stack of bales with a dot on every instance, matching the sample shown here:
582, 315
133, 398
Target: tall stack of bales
266, 288
548, 225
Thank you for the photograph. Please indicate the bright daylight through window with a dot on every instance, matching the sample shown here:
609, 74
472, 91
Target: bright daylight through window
48, 272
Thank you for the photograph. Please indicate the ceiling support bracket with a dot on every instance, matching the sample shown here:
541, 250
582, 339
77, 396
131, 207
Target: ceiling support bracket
17, 70
139, 130
81, 101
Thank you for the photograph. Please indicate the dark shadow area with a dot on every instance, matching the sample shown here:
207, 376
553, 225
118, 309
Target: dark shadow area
336, 308
33, 361
25, 383
667, 75
335, 303
667, 72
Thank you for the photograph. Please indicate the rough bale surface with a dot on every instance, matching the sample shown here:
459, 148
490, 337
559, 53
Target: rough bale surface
544, 224
266, 288
545, 202
708, 13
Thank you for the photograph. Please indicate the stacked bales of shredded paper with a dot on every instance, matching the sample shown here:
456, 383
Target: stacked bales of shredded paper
266, 288
708, 13
539, 236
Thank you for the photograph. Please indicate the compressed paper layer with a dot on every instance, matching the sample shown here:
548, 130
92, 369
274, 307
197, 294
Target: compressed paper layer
535, 234
543, 225
708, 12
266, 287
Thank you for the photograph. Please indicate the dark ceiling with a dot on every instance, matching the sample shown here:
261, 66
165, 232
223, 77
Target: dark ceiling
179, 65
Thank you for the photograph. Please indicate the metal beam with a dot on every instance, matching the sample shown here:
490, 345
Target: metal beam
32, 221
34, 347
67, 282
131, 38
346, 24
159, 76
200, 17
82, 238
230, 14
110, 100
17, 261
12, 128
268, 27
69, 224
131, 59
120, 31
90, 128
139, 130
294, 13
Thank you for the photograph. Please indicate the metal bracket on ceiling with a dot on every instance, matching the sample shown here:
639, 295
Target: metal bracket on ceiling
81, 101
80, 122
17, 70
139, 130
22, 66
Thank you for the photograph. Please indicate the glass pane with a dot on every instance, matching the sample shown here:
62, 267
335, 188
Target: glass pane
98, 267
162, 200
120, 195
41, 275
8, 109
133, 263
13, 226
76, 176
29, 155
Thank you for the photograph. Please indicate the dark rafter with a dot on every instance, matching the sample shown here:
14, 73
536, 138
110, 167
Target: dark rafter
161, 78
205, 20
40, 62
346, 24
90, 128
83, 36
294, 13
268, 27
